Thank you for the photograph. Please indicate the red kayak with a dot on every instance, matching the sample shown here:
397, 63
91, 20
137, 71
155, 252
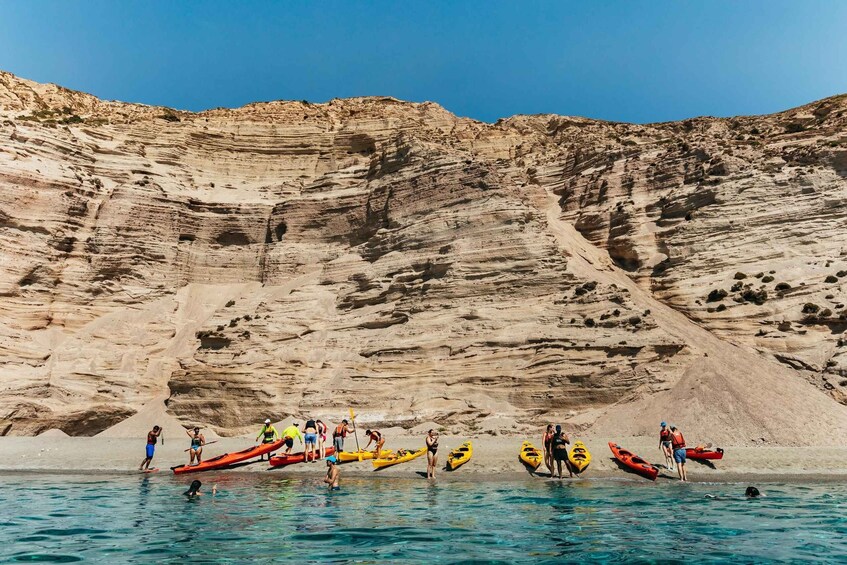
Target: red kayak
692, 453
227, 459
282, 460
633, 461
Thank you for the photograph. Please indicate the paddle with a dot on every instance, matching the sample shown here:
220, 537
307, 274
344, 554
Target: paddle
205, 444
355, 433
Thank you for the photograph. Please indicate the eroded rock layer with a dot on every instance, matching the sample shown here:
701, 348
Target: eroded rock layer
291, 258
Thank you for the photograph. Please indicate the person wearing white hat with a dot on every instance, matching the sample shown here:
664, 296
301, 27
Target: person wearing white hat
268, 435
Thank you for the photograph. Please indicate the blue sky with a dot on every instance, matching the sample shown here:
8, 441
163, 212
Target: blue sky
637, 61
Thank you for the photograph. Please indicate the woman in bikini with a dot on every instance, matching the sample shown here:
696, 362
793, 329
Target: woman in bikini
547, 446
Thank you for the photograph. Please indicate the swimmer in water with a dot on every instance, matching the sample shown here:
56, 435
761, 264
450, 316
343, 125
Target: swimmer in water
194, 490
751, 492
332, 473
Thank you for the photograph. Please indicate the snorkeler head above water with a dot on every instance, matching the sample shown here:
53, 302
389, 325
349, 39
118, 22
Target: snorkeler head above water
193, 489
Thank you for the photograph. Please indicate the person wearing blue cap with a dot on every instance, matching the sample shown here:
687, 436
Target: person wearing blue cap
665, 445
332, 473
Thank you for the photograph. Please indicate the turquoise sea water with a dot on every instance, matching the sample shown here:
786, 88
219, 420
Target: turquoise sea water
267, 518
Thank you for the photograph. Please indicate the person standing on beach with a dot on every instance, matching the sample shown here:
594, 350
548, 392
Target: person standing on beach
195, 450
288, 434
547, 447
375, 437
321, 438
268, 434
338, 435
310, 435
665, 445
431, 453
678, 445
332, 473
152, 438
560, 451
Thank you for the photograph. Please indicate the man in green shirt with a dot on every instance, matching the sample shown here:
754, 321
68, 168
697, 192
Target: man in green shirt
288, 434
268, 435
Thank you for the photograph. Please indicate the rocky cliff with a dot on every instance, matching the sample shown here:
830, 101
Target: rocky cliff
289, 258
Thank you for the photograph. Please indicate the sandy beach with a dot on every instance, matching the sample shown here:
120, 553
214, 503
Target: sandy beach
494, 458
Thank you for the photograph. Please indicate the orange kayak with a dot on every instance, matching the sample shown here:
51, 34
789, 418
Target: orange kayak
227, 459
281, 460
633, 462
693, 453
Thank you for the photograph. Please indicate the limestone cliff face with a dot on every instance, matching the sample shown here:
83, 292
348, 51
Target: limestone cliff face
292, 258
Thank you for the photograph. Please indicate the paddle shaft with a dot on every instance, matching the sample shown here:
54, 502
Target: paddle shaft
205, 444
355, 431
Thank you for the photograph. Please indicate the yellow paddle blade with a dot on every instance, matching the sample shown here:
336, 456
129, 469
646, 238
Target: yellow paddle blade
352, 415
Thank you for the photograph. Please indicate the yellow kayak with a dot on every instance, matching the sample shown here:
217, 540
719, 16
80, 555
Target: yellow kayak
459, 456
361, 455
579, 457
530, 455
396, 458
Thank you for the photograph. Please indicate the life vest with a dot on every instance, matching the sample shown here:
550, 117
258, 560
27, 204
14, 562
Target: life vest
677, 441
311, 424
665, 435
340, 431
269, 432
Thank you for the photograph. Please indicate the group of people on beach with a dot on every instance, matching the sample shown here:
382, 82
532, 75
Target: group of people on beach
313, 436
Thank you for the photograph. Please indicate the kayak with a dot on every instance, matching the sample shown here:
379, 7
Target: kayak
579, 457
228, 459
634, 462
281, 460
530, 455
459, 456
394, 458
361, 455
693, 453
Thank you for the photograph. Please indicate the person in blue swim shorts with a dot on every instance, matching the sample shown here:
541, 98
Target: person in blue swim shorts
678, 445
152, 438
310, 438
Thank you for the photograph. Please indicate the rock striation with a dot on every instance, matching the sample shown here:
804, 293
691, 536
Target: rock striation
289, 258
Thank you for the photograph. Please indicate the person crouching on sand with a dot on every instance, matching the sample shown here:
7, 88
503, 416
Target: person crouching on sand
665, 445
431, 453
288, 434
678, 445
152, 437
195, 449
375, 437
332, 473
